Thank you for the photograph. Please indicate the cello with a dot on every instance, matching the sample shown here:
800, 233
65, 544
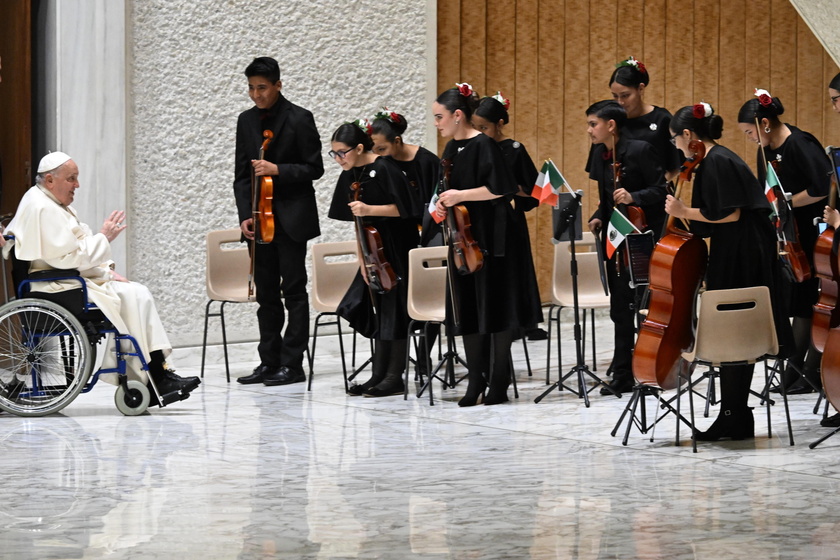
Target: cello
262, 213
376, 271
677, 266
827, 268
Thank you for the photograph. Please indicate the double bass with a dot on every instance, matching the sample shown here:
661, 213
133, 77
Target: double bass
262, 213
830, 364
377, 272
677, 266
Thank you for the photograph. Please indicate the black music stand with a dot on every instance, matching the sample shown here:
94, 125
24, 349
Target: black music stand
566, 220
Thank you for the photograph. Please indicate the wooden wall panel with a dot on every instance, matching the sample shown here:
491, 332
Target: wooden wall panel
554, 57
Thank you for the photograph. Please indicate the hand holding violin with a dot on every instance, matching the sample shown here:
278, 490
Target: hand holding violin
263, 167
622, 196
675, 207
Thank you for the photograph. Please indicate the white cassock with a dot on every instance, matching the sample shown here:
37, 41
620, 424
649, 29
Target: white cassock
51, 236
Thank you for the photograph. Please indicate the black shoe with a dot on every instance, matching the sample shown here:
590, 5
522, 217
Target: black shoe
167, 383
285, 375
618, 385
256, 376
473, 396
731, 424
496, 397
189, 382
390, 386
357, 390
831, 421
536, 334
799, 387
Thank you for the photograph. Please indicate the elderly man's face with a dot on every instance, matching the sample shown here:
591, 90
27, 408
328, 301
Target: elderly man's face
63, 182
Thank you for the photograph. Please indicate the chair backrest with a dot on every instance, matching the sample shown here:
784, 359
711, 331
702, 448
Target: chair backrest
228, 264
427, 283
590, 290
735, 326
334, 265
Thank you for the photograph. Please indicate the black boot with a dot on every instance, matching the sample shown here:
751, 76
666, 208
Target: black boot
733, 424
391, 385
475, 391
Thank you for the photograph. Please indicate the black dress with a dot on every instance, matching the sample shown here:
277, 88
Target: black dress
654, 128
524, 171
801, 165
741, 253
382, 183
498, 297
423, 173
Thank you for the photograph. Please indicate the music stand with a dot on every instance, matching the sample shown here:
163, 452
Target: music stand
566, 220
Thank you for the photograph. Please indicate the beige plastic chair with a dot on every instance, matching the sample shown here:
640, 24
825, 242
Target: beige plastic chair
426, 303
334, 265
734, 327
227, 280
590, 290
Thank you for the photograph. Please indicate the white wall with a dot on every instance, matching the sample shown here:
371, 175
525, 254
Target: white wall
341, 60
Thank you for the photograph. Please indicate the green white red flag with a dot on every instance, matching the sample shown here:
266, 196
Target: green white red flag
548, 184
617, 230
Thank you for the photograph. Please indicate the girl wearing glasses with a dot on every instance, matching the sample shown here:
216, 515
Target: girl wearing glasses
384, 202
803, 170
495, 301
728, 206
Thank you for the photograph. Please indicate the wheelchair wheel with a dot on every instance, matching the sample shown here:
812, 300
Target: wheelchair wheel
133, 402
45, 357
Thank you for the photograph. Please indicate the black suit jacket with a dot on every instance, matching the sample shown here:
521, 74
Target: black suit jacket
296, 149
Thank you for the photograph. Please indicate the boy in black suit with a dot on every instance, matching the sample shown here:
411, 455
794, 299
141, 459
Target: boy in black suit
293, 161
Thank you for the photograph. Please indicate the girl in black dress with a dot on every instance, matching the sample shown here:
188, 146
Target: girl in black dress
495, 301
728, 206
803, 170
385, 203
644, 121
490, 118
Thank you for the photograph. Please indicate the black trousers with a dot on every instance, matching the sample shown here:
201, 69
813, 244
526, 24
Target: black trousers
623, 315
280, 279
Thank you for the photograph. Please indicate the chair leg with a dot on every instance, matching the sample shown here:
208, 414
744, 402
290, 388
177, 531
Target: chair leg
204, 341
527, 357
224, 340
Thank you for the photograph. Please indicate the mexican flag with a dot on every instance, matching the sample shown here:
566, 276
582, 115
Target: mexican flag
771, 183
433, 209
617, 230
548, 184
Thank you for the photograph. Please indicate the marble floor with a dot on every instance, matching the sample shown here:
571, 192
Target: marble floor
253, 472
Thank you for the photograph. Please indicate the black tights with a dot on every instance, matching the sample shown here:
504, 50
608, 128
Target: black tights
484, 351
389, 357
735, 384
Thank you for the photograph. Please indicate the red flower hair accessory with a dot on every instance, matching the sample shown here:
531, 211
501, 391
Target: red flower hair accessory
465, 89
764, 97
702, 110
637, 64
502, 99
388, 115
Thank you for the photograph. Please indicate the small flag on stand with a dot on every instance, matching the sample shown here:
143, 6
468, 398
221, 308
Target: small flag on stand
617, 230
548, 184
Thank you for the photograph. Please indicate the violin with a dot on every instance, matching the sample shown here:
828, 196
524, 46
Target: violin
467, 257
634, 214
827, 268
262, 213
787, 235
262, 198
677, 266
377, 272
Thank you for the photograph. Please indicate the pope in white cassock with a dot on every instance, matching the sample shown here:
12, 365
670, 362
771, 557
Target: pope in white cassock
49, 235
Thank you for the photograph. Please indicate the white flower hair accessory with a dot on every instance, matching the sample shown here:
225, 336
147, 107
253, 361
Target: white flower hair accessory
365, 125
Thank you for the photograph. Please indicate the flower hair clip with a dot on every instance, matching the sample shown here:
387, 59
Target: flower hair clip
702, 110
634, 63
387, 115
764, 97
364, 124
465, 89
502, 99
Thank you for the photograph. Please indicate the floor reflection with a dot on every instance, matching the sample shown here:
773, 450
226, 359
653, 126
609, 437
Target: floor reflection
263, 473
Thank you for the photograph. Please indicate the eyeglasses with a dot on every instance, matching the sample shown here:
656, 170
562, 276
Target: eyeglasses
834, 99
674, 138
339, 153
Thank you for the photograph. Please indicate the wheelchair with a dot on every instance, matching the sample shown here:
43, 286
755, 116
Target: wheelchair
48, 349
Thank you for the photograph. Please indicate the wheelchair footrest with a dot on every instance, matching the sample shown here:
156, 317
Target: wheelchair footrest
172, 397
